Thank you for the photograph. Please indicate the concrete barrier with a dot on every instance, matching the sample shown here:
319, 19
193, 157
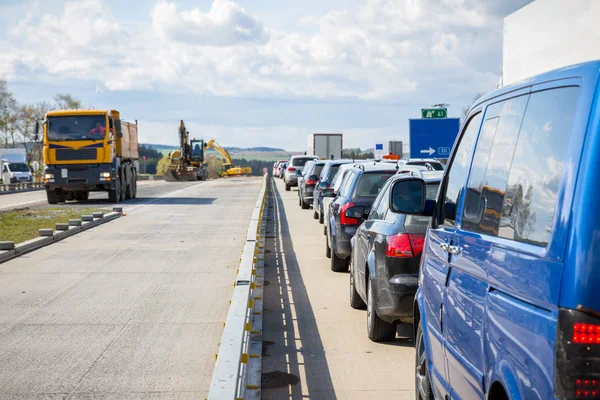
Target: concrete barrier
237, 372
8, 250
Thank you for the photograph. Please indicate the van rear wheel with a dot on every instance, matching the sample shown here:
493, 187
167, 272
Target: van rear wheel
422, 382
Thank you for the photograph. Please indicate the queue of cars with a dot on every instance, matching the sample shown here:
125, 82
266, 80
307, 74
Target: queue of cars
495, 259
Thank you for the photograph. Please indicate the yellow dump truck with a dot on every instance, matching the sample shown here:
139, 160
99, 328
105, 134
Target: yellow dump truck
88, 151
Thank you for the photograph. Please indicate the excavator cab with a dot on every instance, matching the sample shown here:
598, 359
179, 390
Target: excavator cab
197, 147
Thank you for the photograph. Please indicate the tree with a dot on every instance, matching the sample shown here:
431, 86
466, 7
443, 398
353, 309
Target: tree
8, 113
65, 101
465, 110
163, 165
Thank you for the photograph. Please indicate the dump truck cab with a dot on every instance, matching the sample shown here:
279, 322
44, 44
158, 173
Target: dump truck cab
89, 150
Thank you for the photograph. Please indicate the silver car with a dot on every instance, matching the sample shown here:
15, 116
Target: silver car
295, 165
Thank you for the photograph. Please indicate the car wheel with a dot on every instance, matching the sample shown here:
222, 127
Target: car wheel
327, 248
378, 330
338, 264
287, 187
315, 215
304, 205
422, 383
355, 301
325, 230
321, 217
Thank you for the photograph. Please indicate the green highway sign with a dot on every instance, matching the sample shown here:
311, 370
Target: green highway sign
434, 113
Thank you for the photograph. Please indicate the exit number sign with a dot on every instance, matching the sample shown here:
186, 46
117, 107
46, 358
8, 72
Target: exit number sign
434, 113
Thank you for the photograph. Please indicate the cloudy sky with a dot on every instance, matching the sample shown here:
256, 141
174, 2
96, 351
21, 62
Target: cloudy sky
257, 72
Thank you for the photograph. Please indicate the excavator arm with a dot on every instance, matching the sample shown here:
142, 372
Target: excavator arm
217, 147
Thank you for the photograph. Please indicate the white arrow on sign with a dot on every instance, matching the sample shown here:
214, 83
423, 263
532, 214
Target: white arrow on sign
430, 151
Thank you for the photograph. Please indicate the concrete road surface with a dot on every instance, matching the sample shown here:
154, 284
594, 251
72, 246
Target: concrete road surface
132, 309
147, 191
315, 345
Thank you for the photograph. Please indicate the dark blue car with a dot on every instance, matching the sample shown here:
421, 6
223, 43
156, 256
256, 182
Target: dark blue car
508, 304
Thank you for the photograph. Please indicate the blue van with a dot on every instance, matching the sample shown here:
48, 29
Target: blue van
508, 305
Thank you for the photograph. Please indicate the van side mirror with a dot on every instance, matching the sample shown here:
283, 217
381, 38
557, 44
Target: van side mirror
409, 196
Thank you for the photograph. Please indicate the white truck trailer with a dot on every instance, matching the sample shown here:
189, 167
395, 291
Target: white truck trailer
549, 34
326, 146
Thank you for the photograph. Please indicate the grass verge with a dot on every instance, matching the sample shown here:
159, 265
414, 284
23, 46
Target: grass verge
23, 224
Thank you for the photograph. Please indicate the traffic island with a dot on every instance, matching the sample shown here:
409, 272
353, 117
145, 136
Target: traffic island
23, 224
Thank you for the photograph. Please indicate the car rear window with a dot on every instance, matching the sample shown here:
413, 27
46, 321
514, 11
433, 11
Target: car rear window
435, 165
369, 184
317, 170
299, 162
432, 189
332, 171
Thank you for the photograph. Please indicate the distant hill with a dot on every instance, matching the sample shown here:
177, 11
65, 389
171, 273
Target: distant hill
231, 149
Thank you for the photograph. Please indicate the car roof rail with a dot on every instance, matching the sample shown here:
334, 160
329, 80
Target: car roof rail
412, 172
361, 166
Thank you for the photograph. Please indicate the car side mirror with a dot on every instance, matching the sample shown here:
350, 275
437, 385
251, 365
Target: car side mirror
357, 212
328, 193
408, 196
313, 178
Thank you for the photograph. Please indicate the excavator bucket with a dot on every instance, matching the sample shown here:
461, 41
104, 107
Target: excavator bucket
171, 176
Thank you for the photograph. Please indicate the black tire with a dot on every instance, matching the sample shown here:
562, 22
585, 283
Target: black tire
321, 217
114, 195
123, 181
327, 248
422, 383
378, 330
287, 187
338, 264
62, 198
85, 196
81, 196
304, 205
355, 301
129, 186
325, 230
71, 196
134, 183
52, 196
315, 214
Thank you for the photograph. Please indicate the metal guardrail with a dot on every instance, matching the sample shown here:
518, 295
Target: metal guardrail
18, 187
237, 371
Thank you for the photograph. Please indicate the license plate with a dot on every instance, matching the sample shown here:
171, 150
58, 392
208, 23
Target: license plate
64, 173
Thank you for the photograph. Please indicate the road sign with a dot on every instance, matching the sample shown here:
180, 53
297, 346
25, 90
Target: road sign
432, 138
378, 153
428, 113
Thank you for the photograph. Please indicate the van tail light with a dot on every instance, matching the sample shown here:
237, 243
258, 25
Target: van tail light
586, 334
347, 220
577, 355
405, 245
311, 182
291, 169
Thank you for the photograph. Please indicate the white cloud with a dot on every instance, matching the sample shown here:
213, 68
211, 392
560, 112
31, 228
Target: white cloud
224, 24
382, 49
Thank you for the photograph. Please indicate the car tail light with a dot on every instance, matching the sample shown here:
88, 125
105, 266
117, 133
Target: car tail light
347, 220
311, 182
291, 169
405, 245
577, 354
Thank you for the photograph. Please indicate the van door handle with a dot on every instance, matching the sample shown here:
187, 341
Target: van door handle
444, 246
454, 250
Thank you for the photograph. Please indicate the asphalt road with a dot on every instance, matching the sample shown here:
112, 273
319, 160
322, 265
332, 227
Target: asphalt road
148, 191
315, 346
132, 309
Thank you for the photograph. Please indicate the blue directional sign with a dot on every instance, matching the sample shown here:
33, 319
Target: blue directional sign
432, 138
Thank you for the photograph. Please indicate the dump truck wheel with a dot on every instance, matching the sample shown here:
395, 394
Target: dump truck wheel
114, 195
52, 196
134, 183
123, 182
129, 186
